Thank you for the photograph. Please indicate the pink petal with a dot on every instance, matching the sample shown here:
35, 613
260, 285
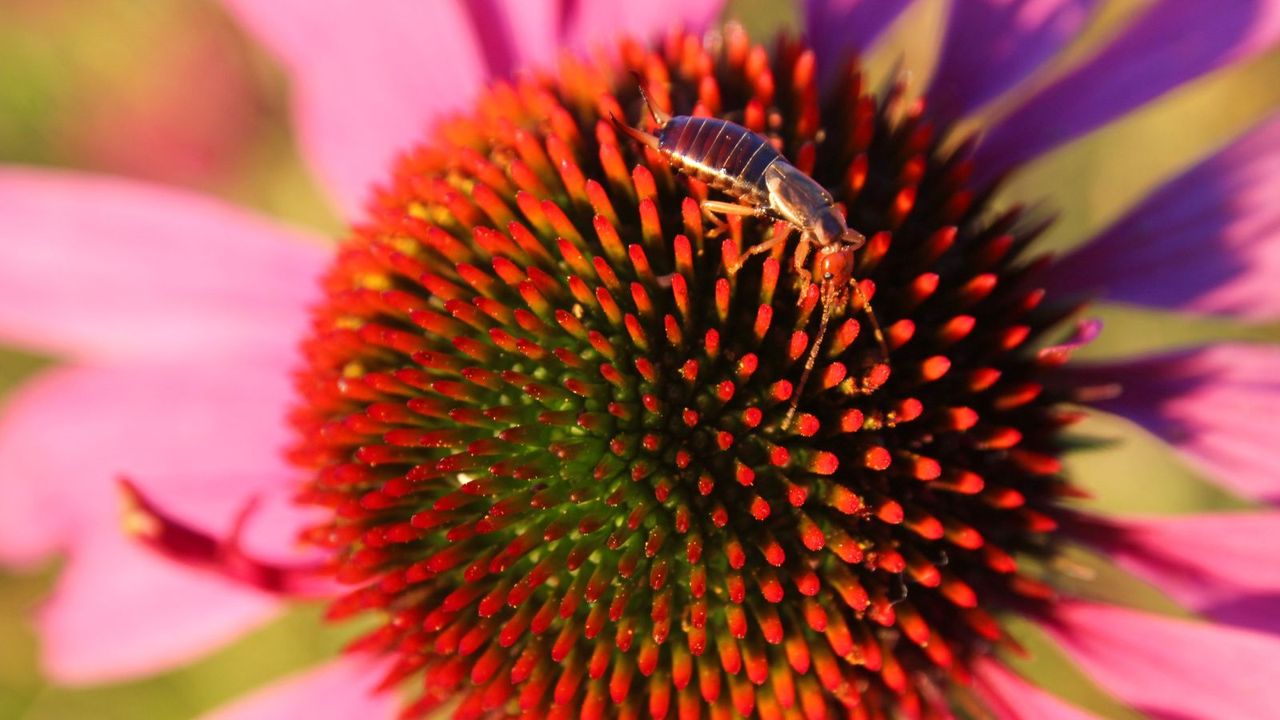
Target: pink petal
516, 34
120, 611
1212, 404
594, 23
838, 29
340, 690
991, 45
1171, 668
1170, 43
201, 439
1013, 698
1209, 241
519, 34
1226, 565
368, 77
106, 268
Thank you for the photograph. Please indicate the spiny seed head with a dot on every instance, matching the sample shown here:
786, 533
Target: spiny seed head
550, 424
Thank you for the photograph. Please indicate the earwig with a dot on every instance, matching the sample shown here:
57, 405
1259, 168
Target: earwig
745, 166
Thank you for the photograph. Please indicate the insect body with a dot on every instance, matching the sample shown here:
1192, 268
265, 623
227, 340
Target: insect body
745, 166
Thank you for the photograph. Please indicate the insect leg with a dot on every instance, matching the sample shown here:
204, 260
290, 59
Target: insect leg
728, 208
780, 238
711, 207
801, 256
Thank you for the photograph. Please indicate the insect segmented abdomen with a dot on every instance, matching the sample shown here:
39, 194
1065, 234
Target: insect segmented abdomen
726, 155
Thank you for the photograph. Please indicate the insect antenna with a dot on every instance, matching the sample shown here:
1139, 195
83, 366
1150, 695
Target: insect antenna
828, 301
875, 322
659, 117
810, 361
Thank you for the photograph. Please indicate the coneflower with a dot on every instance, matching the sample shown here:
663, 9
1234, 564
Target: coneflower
561, 461
551, 424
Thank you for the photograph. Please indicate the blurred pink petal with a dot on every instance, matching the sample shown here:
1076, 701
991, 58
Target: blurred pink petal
147, 123
201, 439
1208, 241
511, 34
593, 23
1013, 698
339, 690
1166, 667
120, 611
370, 77
516, 35
837, 29
1225, 565
1212, 404
990, 45
104, 268
204, 441
1168, 44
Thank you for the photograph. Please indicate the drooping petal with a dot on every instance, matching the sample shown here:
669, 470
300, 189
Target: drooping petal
368, 77
120, 611
1209, 241
1170, 43
990, 45
1171, 668
1013, 698
839, 28
106, 268
202, 440
1212, 404
339, 690
1225, 565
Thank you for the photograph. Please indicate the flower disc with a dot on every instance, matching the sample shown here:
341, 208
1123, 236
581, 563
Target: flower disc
552, 426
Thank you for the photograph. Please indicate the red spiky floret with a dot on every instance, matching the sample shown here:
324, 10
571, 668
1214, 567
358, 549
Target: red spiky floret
551, 429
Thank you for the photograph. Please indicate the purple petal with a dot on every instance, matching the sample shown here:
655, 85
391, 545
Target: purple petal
1086, 332
1209, 241
1225, 565
1171, 668
991, 45
838, 29
1213, 405
106, 268
1170, 43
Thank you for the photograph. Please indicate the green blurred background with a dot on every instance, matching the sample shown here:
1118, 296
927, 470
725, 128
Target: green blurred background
107, 86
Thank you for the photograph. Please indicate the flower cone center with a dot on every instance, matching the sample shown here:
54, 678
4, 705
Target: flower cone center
552, 425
